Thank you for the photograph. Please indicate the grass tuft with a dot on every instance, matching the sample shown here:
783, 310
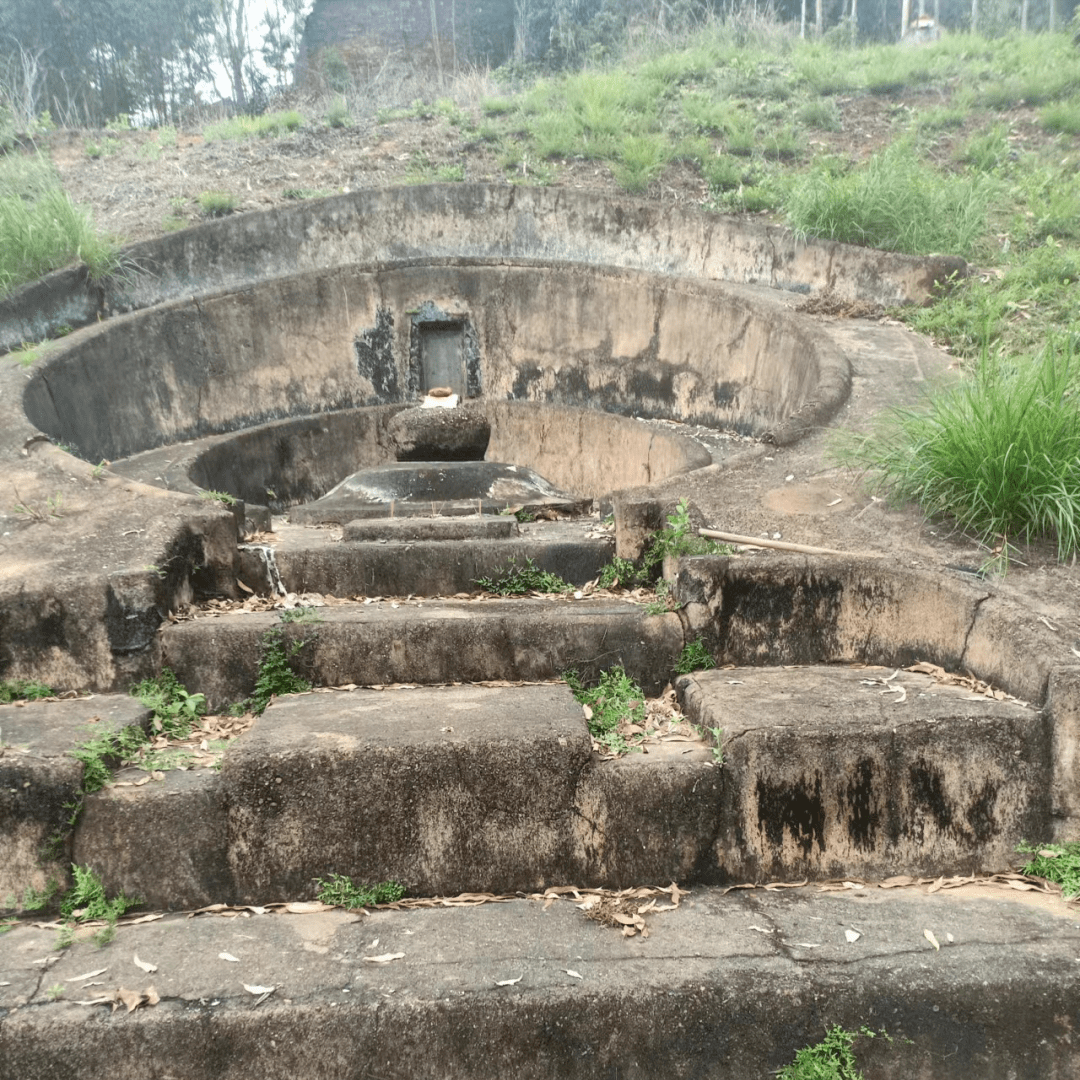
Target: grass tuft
174, 709
1059, 863
615, 699
999, 452
340, 891
894, 202
516, 581
22, 690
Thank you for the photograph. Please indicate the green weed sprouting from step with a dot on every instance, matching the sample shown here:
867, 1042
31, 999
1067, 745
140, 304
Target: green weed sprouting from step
515, 580
174, 709
301, 615
22, 690
276, 676
340, 891
222, 497
38, 899
694, 657
616, 697
831, 1059
86, 901
1059, 863
101, 754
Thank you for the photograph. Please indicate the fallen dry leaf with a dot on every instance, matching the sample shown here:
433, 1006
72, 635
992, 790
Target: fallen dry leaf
510, 982
148, 968
385, 958
929, 935
131, 998
259, 989
852, 936
572, 974
229, 956
88, 975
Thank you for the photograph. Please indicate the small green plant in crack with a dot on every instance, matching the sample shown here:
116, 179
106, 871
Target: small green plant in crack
1059, 863
831, 1059
222, 497
664, 601
517, 580
621, 574
101, 754
615, 698
22, 690
175, 710
306, 615
86, 901
677, 538
276, 676
55, 991
340, 891
694, 657
39, 899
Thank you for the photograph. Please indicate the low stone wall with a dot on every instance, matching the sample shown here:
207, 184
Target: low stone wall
615, 340
478, 221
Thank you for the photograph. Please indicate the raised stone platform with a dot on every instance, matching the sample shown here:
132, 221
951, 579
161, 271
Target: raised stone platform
725, 987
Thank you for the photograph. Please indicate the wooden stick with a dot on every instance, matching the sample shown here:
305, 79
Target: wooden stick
782, 545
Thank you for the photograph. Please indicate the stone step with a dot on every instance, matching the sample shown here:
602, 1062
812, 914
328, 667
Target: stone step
315, 560
835, 770
725, 986
40, 783
471, 789
429, 642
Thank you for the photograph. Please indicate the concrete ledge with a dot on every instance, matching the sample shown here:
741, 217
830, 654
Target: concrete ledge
432, 642
165, 842
40, 784
725, 988
827, 776
467, 220
415, 528
314, 563
790, 609
452, 790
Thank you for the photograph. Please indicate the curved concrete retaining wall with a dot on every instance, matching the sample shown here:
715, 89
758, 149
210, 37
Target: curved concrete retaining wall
619, 340
294, 461
471, 221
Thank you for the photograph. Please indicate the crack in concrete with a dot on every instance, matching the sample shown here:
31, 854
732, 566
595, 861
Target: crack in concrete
971, 626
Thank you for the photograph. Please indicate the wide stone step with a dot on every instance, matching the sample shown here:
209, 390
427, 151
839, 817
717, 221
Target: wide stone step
429, 642
726, 987
312, 560
40, 783
451, 789
835, 770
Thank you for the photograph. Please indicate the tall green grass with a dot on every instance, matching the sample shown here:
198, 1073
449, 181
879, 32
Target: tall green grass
999, 453
247, 127
893, 202
41, 228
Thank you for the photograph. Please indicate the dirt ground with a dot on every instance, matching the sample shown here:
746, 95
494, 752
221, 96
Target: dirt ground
138, 190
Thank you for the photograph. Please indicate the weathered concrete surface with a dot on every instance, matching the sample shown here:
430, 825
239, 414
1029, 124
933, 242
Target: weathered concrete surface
1063, 705
90, 563
470, 221
433, 642
425, 567
726, 987
293, 461
165, 842
486, 526
453, 790
40, 784
828, 776
791, 609
627, 342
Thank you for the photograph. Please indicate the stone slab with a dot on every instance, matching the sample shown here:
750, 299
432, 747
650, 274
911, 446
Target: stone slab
431, 642
488, 527
832, 771
316, 563
726, 987
450, 789
40, 783
164, 842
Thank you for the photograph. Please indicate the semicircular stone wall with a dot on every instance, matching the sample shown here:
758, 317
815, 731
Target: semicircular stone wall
617, 340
